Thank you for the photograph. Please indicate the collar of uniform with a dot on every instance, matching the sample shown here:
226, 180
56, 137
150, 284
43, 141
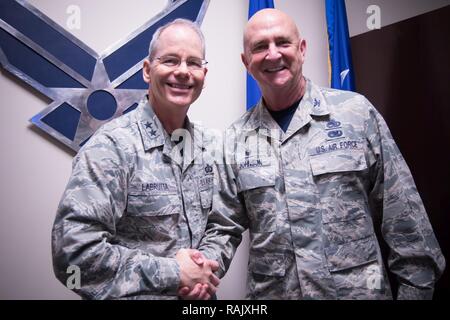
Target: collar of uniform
315, 99
260, 120
312, 104
199, 141
152, 132
194, 140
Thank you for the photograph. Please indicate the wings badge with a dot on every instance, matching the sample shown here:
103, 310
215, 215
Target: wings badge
87, 89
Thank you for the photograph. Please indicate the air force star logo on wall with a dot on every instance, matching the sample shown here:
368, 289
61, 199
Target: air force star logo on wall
87, 88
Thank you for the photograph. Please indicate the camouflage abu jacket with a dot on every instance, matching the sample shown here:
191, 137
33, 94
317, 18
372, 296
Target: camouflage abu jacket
312, 198
131, 203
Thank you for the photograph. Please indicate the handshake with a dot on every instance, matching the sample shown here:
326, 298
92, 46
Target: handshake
197, 278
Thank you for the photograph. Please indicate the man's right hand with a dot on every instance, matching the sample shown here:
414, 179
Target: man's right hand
197, 280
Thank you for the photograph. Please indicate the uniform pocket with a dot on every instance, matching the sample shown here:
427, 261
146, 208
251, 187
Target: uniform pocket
268, 264
151, 217
347, 231
338, 161
351, 254
266, 275
255, 173
258, 187
153, 204
340, 178
355, 270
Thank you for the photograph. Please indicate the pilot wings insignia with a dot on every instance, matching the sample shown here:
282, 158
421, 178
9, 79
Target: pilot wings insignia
87, 88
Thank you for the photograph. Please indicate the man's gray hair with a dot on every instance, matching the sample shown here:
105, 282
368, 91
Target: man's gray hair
183, 22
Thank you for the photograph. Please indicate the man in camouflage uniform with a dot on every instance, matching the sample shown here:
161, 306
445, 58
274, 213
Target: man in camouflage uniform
312, 194
135, 197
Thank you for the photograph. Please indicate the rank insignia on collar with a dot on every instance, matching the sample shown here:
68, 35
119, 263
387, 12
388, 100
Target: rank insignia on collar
153, 133
316, 103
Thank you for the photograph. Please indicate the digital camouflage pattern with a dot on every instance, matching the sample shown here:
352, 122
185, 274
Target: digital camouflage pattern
312, 198
133, 200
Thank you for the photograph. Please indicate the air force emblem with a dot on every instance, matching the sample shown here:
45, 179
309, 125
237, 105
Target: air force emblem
87, 88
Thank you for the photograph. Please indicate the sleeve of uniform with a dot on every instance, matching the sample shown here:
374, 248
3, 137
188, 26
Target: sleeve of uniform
92, 204
414, 257
227, 219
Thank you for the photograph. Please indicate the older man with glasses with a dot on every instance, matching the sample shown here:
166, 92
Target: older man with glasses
137, 195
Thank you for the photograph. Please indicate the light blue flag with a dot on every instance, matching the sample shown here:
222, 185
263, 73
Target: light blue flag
253, 91
340, 57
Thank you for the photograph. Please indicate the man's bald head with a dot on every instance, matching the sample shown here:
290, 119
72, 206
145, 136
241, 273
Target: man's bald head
274, 55
268, 18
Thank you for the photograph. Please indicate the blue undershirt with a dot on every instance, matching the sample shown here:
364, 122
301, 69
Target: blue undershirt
284, 117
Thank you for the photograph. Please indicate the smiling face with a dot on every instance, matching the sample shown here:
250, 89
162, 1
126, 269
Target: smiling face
178, 86
273, 51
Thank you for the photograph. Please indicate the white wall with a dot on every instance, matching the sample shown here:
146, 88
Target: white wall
34, 169
392, 11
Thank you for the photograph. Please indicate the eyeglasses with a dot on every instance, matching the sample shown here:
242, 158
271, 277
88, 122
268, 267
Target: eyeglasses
173, 62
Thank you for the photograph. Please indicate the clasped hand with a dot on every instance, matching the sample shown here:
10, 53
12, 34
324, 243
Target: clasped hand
197, 278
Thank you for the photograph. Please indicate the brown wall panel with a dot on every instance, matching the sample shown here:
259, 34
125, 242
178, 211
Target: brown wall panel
404, 70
